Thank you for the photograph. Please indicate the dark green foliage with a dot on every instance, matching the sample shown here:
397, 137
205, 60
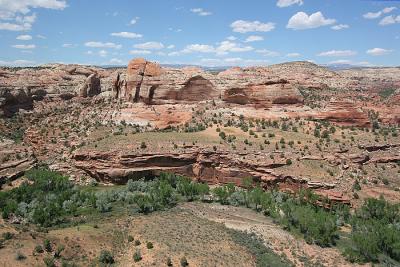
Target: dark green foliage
47, 245
106, 257
149, 245
47, 199
264, 256
130, 238
375, 231
137, 256
19, 256
49, 262
184, 262
316, 225
39, 249
137, 242
7, 235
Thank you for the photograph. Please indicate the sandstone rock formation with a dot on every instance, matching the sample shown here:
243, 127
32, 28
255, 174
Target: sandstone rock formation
271, 92
91, 87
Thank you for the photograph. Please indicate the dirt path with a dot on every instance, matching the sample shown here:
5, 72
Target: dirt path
296, 250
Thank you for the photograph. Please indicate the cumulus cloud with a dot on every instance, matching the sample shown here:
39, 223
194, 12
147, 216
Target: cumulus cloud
388, 20
200, 12
267, 53
19, 46
171, 46
286, 3
129, 35
103, 53
254, 38
115, 61
243, 26
302, 21
134, 21
15, 15
223, 48
293, 55
68, 45
231, 38
375, 15
378, 51
202, 48
149, 46
340, 27
337, 53
103, 45
25, 37
139, 52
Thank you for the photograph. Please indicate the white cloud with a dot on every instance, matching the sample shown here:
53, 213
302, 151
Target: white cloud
149, 46
15, 13
130, 35
389, 20
24, 6
267, 53
30, 46
171, 47
175, 53
378, 51
41, 36
103, 53
286, 3
340, 27
375, 15
24, 37
68, 45
228, 46
253, 38
223, 48
200, 12
18, 62
243, 26
341, 61
301, 21
103, 45
134, 21
199, 48
115, 61
139, 52
231, 38
337, 53
293, 55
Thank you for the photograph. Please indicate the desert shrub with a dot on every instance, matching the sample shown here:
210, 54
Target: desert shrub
106, 257
149, 245
130, 238
39, 249
19, 256
103, 203
264, 256
137, 242
7, 235
169, 262
47, 199
49, 262
223, 193
315, 224
137, 256
47, 245
184, 262
375, 231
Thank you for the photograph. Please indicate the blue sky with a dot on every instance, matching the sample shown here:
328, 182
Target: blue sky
202, 32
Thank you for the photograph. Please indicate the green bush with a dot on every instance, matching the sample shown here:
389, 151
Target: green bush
149, 245
106, 257
137, 256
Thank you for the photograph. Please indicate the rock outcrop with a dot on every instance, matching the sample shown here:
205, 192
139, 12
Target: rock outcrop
264, 95
91, 87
